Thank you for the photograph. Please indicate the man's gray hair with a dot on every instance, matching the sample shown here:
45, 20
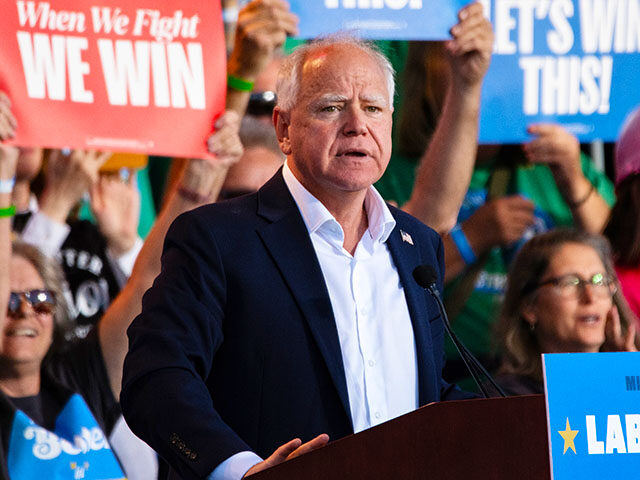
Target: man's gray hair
288, 83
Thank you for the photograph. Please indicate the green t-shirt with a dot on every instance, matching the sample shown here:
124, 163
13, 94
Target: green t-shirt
474, 324
396, 184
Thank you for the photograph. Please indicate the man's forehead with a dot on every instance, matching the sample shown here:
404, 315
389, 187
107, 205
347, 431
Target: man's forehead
315, 59
338, 55
334, 62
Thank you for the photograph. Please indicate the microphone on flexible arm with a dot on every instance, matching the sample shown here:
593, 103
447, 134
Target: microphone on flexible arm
426, 277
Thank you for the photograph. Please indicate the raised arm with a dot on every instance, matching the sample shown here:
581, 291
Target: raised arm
67, 178
8, 158
263, 26
199, 183
8, 161
116, 206
560, 150
445, 168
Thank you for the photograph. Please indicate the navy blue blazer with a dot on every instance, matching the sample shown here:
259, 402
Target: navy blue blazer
236, 347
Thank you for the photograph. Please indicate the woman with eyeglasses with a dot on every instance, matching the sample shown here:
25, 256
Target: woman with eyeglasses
561, 296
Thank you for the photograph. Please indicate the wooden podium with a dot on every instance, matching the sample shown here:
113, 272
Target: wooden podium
502, 438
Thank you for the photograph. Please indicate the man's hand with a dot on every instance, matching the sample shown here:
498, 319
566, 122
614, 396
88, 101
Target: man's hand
289, 450
8, 123
66, 180
499, 222
470, 49
116, 206
263, 26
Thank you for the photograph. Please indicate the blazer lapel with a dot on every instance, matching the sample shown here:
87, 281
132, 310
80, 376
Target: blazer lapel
287, 240
406, 257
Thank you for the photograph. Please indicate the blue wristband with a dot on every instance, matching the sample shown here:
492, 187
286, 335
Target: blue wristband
462, 244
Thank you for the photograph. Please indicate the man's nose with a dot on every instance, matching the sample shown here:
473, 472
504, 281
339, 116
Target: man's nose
354, 122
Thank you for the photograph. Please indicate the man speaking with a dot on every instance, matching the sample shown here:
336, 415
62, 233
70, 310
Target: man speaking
287, 317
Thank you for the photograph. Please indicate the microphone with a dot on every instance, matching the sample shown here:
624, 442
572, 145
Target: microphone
426, 277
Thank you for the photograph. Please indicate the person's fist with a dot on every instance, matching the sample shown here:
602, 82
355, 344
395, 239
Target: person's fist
501, 221
262, 27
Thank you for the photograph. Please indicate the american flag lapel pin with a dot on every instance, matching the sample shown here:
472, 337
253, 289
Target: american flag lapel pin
406, 237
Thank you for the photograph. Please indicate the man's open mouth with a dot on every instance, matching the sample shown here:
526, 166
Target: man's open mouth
352, 153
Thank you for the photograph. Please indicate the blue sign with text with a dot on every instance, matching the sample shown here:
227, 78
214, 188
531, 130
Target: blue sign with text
563, 61
593, 414
378, 19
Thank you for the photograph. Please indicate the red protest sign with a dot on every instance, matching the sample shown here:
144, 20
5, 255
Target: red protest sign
138, 76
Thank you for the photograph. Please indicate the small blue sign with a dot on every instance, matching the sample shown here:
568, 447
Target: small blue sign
570, 62
378, 19
593, 414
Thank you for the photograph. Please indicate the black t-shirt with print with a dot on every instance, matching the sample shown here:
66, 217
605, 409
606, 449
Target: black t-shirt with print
94, 279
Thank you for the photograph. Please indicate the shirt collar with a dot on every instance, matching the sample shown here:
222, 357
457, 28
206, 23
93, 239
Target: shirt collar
315, 214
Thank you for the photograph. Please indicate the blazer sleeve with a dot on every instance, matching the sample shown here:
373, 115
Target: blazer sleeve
164, 398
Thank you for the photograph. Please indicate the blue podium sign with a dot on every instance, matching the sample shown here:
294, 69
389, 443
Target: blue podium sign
593, 414
378, 19
564, 61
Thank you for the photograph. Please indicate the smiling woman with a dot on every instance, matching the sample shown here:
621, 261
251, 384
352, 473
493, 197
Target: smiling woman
27, 317
41, 381
561, 297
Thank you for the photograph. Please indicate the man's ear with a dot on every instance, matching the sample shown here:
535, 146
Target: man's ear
281, 122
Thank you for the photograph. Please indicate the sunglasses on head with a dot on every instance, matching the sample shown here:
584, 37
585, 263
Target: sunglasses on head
41, 301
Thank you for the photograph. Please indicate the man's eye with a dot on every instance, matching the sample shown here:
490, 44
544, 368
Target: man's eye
330, 108
373, 109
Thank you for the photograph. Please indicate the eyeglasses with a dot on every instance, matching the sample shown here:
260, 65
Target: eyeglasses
572, 285
42, 301
262, 103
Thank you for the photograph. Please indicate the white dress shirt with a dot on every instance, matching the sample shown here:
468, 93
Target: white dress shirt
371, 314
